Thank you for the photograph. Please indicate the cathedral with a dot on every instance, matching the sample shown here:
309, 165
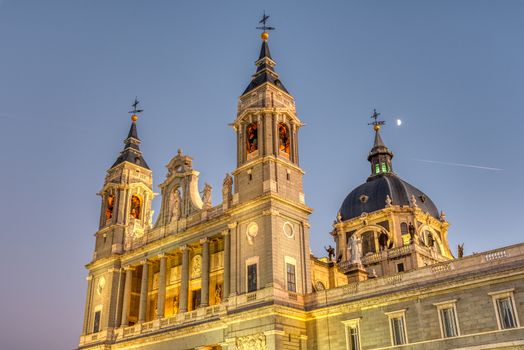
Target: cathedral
240, 275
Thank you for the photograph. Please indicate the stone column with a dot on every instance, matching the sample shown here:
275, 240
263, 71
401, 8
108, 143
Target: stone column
88, 304
184, 283
161, 286
127, 296
205, 272
143, 292
227, 264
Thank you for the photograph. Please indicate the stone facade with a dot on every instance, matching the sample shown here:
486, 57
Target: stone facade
240, 275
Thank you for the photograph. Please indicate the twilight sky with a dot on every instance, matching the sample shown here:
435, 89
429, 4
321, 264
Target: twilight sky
453, 72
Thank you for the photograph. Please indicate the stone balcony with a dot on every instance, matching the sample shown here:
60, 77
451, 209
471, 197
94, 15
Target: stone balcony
187, 318
450, 269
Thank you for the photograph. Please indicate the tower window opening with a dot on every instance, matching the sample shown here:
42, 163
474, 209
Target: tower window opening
384, 168
283, 135
136, 206
110, 204
377, 168
251, 278
252, 138
291, 278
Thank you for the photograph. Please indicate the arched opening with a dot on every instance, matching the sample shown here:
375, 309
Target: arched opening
383, 241
110, 204
283, 136
368, 243
136, 206
252, 138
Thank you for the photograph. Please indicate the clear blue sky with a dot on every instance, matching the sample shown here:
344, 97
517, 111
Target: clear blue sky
451, 70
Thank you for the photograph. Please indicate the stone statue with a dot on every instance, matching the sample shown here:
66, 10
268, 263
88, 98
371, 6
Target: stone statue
331, 252
355, 249
442, 216
175, 205
388, 201
413, 202
339, 217
227, 189
206, 197
218, 294
150, 214
411, 230
461, 250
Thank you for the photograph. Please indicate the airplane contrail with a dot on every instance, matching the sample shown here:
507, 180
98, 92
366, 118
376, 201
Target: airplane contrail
459, 164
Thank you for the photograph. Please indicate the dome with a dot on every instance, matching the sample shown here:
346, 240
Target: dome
371, 196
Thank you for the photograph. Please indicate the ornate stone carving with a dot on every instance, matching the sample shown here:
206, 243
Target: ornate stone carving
206, 197
388, 201
175, 205
251, 232
196, 266
289, 232
227, 189
252, 342
100, 285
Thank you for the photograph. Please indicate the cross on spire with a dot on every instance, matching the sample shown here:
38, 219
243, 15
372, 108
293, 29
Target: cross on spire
136, 110
376, 123
263, 21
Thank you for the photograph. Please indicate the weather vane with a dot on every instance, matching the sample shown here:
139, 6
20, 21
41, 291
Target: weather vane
376, 123
136, 110
263, 21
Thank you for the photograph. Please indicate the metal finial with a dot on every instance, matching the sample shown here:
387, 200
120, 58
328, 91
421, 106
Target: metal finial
376, 123
263, 21
136, 110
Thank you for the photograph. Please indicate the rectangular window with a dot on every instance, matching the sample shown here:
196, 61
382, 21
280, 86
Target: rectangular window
251, 278
384, 168
377, 168
352, 334
447, 315
397, 327
291, 278
504, 303
506, 313
398, 330
400, 267
96, 325
449, 322
195, 299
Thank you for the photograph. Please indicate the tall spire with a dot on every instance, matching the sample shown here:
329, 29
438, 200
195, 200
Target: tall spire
380, 156
265, 72
131, 152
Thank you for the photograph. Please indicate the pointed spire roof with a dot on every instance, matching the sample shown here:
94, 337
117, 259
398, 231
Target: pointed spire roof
265, 72
379, 156
131, 152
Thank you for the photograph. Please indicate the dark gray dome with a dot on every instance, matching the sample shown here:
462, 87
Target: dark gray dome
371, 196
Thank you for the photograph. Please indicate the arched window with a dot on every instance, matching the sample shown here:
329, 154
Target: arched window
252, 137
283, 136
384, 168
404, 228
430, 241
110, 204
377, 168
136, 206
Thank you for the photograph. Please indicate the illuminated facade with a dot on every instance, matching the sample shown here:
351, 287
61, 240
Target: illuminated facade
239, 275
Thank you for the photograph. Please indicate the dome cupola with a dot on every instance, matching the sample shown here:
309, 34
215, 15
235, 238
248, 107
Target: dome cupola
383, 187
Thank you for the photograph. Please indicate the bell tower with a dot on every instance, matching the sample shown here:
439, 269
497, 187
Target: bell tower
267, 128
271, 230
126, 198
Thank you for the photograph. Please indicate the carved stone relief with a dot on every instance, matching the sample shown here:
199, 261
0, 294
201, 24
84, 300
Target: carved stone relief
251, 232
252, 342
196, 266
